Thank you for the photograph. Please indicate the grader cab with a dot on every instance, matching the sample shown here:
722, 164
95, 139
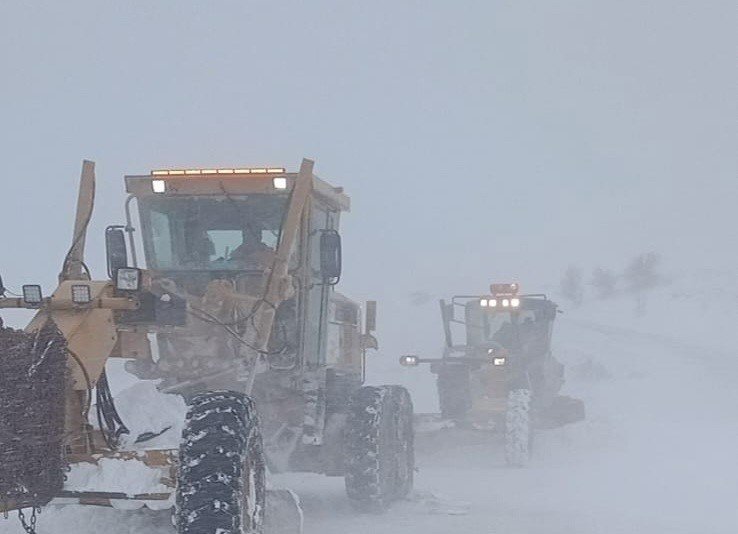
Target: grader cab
235, 309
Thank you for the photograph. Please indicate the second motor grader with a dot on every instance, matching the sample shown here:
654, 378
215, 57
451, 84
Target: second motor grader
236, 311
503, 373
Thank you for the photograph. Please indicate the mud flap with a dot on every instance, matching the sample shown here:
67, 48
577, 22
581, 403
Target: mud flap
283, 512
562, 411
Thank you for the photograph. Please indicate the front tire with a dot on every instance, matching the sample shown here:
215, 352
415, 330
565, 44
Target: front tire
380, 454
221, 487
518, 431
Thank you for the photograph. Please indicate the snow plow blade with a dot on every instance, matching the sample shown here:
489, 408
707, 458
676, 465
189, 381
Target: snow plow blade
283, 512
562, 411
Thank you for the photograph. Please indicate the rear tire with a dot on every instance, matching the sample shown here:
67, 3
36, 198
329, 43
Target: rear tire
518, 431
221, 486
380, 454
406, 441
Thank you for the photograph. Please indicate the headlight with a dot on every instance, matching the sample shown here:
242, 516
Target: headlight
81, 294
492, 303
409, 360
505, 303
32, 295
499, 360
159, 186
515, 303
280, 182
128, 279
484, 303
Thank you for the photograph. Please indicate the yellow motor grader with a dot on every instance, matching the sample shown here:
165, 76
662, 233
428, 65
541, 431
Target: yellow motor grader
503, 374
236, 311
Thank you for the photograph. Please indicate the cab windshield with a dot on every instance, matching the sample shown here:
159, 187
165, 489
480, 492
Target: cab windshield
505, 327
212, 233
523, 329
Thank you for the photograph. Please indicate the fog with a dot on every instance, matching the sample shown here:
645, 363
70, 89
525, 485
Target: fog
479, 141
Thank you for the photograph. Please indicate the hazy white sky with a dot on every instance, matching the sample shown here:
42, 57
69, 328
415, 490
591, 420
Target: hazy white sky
480, 141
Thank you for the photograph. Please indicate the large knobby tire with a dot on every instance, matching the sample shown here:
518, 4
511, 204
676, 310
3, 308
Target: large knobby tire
380, 453
406, 441
454, 391
518, 429
221, 487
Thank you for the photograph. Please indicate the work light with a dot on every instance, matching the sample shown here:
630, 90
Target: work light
81, 294
32, 295
128, 279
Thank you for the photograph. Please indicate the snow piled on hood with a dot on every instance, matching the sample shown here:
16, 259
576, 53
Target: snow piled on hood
145, 409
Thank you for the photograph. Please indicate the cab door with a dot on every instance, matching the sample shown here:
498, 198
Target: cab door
317, 293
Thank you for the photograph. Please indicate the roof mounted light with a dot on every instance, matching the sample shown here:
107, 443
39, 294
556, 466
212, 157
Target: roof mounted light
199, 172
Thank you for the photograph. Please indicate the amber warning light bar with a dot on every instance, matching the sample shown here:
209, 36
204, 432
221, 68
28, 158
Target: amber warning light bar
206, 172
159, 185
504, 289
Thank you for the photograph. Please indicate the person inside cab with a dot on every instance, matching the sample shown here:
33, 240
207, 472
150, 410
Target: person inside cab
252, 251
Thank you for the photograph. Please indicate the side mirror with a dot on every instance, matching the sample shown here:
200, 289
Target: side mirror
447, 315
371, 316
115, 249
330, 256
368, 341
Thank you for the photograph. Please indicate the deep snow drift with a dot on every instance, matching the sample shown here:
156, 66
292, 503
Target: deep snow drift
656, 453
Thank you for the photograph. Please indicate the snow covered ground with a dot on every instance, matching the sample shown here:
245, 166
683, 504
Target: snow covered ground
657, 453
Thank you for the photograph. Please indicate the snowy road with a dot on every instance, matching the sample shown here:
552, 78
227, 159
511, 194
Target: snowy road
656, 455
